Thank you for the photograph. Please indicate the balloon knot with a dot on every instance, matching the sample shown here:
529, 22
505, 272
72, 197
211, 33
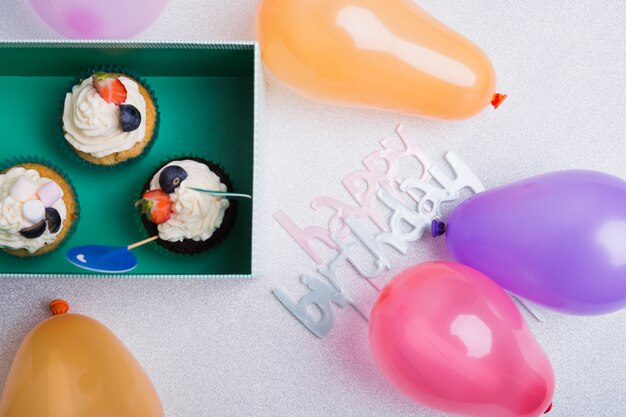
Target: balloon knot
548, 410
59, 307
497, 99
437, 228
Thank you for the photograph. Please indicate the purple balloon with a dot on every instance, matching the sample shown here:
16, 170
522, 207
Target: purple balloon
109, 19
557, 239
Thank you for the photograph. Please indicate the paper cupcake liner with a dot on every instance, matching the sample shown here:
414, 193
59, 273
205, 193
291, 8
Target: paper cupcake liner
220, 233
67, 147
31, 159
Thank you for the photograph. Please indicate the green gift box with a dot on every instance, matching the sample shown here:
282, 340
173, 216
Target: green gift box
208, 97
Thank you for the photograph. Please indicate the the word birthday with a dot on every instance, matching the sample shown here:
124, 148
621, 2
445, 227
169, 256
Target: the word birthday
413, 203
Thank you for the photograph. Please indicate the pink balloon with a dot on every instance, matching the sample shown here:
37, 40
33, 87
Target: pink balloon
448, 337
105, 19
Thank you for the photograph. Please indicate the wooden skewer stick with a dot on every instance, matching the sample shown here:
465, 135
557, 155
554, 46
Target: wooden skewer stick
143, 242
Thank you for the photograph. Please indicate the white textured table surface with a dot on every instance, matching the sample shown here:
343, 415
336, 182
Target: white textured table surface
223, 348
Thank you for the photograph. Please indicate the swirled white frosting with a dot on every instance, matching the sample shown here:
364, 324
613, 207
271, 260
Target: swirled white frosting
12, 219
93, 126
195, 215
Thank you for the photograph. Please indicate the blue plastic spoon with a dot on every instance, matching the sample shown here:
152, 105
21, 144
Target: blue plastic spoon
107, 259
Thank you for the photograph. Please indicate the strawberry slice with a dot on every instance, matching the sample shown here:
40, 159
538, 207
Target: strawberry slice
156, 205
109, 87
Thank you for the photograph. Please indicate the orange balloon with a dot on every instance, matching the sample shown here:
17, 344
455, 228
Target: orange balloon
387, 54
72, 366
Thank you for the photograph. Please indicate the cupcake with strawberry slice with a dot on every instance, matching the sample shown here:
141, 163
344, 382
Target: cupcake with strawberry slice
186, 220
109, 118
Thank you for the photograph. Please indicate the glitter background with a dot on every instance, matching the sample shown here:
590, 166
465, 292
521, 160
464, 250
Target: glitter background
224, 348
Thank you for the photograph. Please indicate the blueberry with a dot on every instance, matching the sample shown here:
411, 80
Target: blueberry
171, 177
34, 231
54, 219
130, 116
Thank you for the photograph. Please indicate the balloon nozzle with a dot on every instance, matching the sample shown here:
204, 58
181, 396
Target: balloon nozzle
437, 228
548, 409
58, 307
497, 99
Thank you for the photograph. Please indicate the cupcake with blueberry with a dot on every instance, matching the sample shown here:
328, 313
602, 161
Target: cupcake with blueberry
37, 209
109, 118
186, 220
